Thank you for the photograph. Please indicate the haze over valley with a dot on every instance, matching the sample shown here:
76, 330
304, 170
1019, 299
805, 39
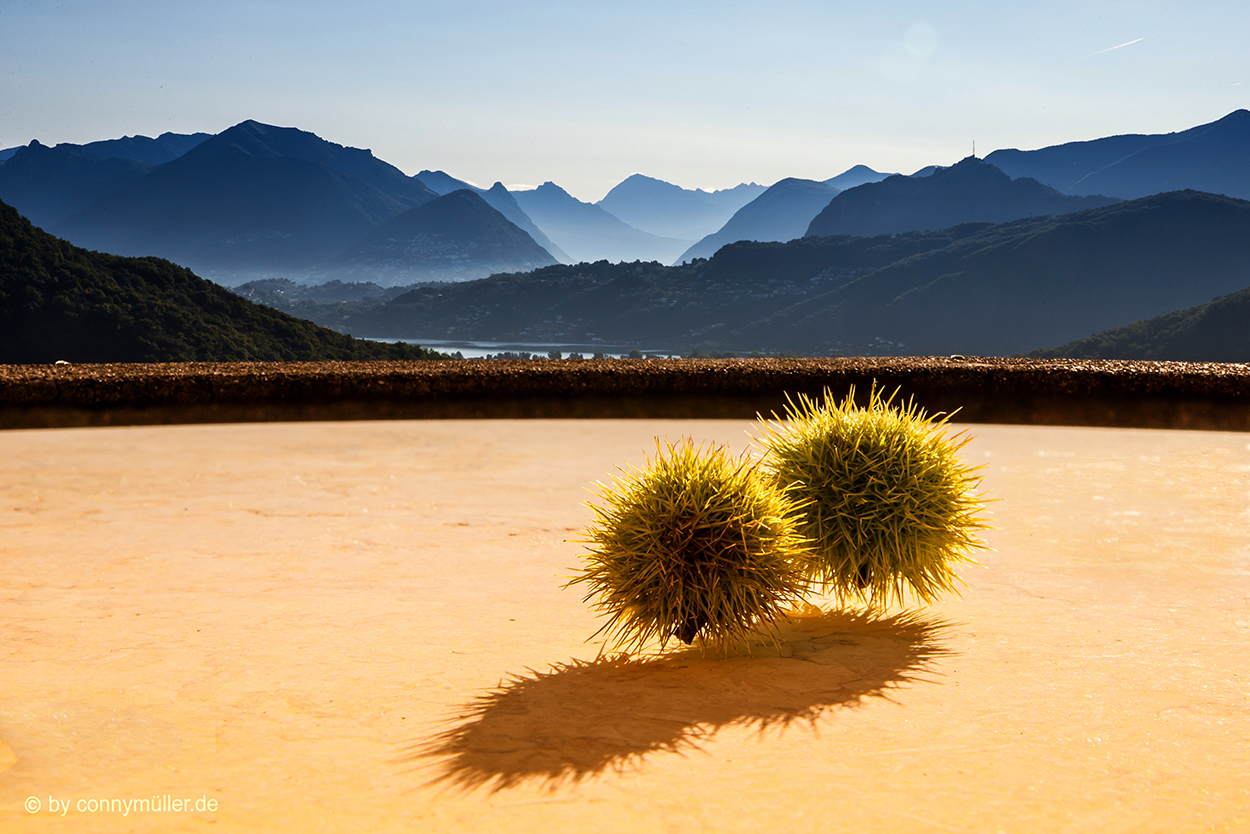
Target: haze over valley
964, 258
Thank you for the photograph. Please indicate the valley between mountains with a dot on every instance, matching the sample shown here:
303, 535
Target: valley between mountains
1132, 246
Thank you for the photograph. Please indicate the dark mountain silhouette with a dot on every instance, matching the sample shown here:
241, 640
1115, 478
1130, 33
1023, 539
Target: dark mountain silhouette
635, 303
455, 237
858, 175
268, 142
164, 148
7, 154
61, 302
974, 289
970, 191
47, 185
781, 213
501, 200
440, 182
668, 210
251, 198
587, 232
1037, 282
1213, 157
1218, 331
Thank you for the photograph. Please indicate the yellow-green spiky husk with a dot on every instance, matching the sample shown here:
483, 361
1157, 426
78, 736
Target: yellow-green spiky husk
889, 504
698, 543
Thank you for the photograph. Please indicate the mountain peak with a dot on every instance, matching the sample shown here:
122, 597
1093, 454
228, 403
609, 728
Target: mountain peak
665, 209
970, 191
970, 170
550, 189
457, 236
856, 176
1236, 124
1210, 157
440, 182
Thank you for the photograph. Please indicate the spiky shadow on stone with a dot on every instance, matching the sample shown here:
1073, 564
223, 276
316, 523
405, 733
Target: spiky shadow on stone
583, 718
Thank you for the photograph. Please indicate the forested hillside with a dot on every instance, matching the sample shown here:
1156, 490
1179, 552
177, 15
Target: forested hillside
60, 302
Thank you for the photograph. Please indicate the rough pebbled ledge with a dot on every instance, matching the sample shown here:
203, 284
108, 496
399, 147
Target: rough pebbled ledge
1056, 392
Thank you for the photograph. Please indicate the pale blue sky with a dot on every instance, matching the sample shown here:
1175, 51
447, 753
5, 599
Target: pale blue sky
704, 94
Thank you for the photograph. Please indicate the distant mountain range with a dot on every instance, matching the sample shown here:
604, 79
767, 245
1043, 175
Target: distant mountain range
970, 191
857, 175
52, 184
164, 148
258, 200
499, 199
60, 302
1213, 157
254, 197
974, 289
781, 213
452, 238
589, 233
1033, 283
668, 210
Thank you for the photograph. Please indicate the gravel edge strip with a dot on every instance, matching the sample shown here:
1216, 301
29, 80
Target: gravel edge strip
1052, 392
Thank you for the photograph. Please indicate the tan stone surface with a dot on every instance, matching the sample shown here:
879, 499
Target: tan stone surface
289, 618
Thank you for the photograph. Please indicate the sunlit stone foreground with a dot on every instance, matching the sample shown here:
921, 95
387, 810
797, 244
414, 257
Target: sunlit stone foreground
360, 626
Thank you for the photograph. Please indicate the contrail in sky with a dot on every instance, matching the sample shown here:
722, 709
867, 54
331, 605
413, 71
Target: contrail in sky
1109, 48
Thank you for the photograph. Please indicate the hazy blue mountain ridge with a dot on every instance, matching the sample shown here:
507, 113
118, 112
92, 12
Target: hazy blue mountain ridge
229, 204
854, 176
975, 289
455, 237
781, 213
668, 210
500, 199
164, 148
48, 185
589, 233
255, 200
968, 192
440, 182
145, 149
1036, 282
1214, 157
269, 142
258, 200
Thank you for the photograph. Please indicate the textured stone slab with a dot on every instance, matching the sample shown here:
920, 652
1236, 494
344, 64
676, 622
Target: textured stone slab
360, 627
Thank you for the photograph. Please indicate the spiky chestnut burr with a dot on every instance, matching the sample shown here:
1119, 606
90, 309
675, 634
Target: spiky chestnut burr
698, 544
889, 503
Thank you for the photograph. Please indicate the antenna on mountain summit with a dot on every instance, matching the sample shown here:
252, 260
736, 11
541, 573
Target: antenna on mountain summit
974, 148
